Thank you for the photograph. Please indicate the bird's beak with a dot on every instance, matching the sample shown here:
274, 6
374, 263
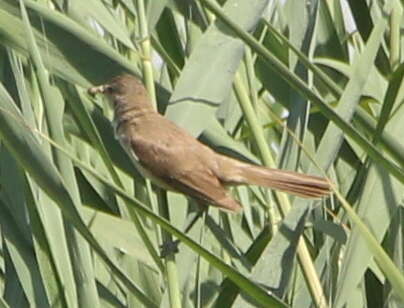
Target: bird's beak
98, 89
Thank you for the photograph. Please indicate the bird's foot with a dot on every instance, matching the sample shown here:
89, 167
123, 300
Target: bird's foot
169, 248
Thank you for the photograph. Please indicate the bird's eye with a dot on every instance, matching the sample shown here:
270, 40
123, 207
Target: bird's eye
109, 89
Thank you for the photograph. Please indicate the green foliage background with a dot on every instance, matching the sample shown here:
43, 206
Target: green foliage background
313, 86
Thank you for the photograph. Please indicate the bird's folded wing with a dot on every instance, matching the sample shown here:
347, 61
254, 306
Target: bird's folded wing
204, 187
184, 166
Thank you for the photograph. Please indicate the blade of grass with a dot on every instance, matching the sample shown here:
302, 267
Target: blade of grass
361, 117
202, 87
285, 204
69, 47
82, 265
384, 262
18, 138
300, 86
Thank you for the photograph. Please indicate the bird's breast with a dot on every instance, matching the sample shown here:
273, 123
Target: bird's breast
122, 135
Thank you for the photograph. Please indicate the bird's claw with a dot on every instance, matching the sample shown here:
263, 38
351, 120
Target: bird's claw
169, 248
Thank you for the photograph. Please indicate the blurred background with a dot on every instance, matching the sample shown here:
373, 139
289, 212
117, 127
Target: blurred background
311, 86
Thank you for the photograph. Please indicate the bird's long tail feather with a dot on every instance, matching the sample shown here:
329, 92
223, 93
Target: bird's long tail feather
299, 184
292, 182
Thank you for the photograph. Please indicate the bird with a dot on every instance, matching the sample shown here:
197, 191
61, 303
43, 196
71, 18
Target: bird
175, 160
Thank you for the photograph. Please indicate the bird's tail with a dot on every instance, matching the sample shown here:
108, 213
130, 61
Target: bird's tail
299, 184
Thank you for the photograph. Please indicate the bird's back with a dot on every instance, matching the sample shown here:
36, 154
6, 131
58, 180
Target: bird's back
166, 149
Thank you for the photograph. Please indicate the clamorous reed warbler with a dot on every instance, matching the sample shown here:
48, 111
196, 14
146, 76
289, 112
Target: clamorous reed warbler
175, 160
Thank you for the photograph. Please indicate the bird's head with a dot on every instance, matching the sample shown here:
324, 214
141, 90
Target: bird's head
124, 89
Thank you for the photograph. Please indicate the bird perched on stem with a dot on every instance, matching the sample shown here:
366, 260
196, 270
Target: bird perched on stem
175, 160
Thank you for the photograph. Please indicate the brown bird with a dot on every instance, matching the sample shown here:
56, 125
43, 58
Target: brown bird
176, 161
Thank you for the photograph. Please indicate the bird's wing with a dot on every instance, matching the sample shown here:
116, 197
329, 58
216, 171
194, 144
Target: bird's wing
204, 188
184, 164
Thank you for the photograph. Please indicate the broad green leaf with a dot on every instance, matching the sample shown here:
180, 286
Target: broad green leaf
203, 87
72, 52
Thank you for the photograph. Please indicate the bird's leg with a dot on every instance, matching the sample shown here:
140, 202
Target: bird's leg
193, 218
171, 247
